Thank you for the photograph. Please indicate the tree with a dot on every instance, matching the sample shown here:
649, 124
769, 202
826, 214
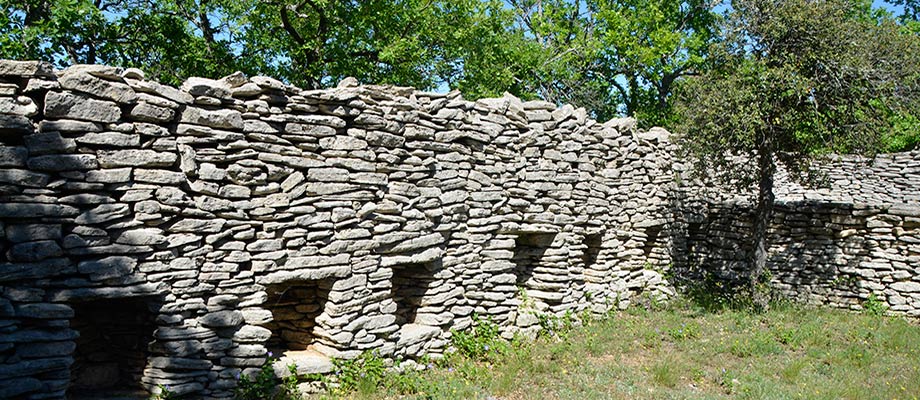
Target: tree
647, 46
556, 50
614, 57
797, 78
171, 40
911, 8
421, 43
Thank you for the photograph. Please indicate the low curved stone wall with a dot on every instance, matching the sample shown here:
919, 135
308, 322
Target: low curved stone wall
152, 235
176, 236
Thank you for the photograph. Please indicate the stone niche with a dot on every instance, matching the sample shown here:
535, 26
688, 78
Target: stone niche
410, 284
412, 287
593, 244
295, 306
530, 272
652, 240
112, 349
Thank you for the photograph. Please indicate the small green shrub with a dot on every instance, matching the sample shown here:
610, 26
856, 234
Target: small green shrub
685, 331
480, 343
728, 381
264, 385
363, 374
874, 305
665, 374
555, 326
757, 345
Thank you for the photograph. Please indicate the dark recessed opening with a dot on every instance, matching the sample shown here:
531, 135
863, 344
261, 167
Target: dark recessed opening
529, 250
294, 307
410, 284
112, 349
593, 243
651, 239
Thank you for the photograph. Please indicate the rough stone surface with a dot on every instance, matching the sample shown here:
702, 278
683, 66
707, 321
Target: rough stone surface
239, 216
72, 106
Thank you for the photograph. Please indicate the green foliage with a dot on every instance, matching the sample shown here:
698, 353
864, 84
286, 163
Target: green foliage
685, 331
482, 342
728, 381
163, 393
552, 325
170, 39
874, 305
610, 56
363, 374
790, 351
665, 374
795, 79
264, 385
648, 46
799, 78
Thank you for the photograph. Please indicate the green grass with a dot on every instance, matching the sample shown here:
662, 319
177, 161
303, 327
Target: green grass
683, 352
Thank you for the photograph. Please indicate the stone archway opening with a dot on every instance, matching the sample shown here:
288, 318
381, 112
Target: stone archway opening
112, 350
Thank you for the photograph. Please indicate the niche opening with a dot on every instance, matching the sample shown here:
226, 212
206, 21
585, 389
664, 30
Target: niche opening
651, 239
593, 250
294, 307
410, 284
528, 250
112, 349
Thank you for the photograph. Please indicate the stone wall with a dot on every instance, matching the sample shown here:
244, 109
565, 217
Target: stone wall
196, 229
854, 235
152, 235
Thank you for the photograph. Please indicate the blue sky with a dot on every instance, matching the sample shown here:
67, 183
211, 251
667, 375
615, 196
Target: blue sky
881, 4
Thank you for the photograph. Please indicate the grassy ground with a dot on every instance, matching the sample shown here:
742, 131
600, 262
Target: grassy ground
686, 353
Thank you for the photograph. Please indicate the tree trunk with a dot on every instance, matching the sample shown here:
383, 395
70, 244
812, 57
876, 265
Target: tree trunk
764, 213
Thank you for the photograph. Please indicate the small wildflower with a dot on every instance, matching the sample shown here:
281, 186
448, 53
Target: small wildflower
270, 354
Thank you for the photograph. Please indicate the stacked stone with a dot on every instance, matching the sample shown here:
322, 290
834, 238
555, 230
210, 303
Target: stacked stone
833, 254
242, 215
849, 234
883, 179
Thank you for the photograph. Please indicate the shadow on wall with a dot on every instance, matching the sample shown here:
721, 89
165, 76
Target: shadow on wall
294, 307
113, 347
410, 284
529, 249
820, 253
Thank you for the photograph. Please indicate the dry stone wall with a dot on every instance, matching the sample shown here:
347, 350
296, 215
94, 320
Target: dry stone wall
151, 235
855, 235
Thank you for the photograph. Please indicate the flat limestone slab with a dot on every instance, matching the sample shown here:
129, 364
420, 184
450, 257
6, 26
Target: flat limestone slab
410, 334
307, 362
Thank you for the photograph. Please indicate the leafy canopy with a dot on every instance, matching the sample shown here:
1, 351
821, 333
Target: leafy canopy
799, 78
